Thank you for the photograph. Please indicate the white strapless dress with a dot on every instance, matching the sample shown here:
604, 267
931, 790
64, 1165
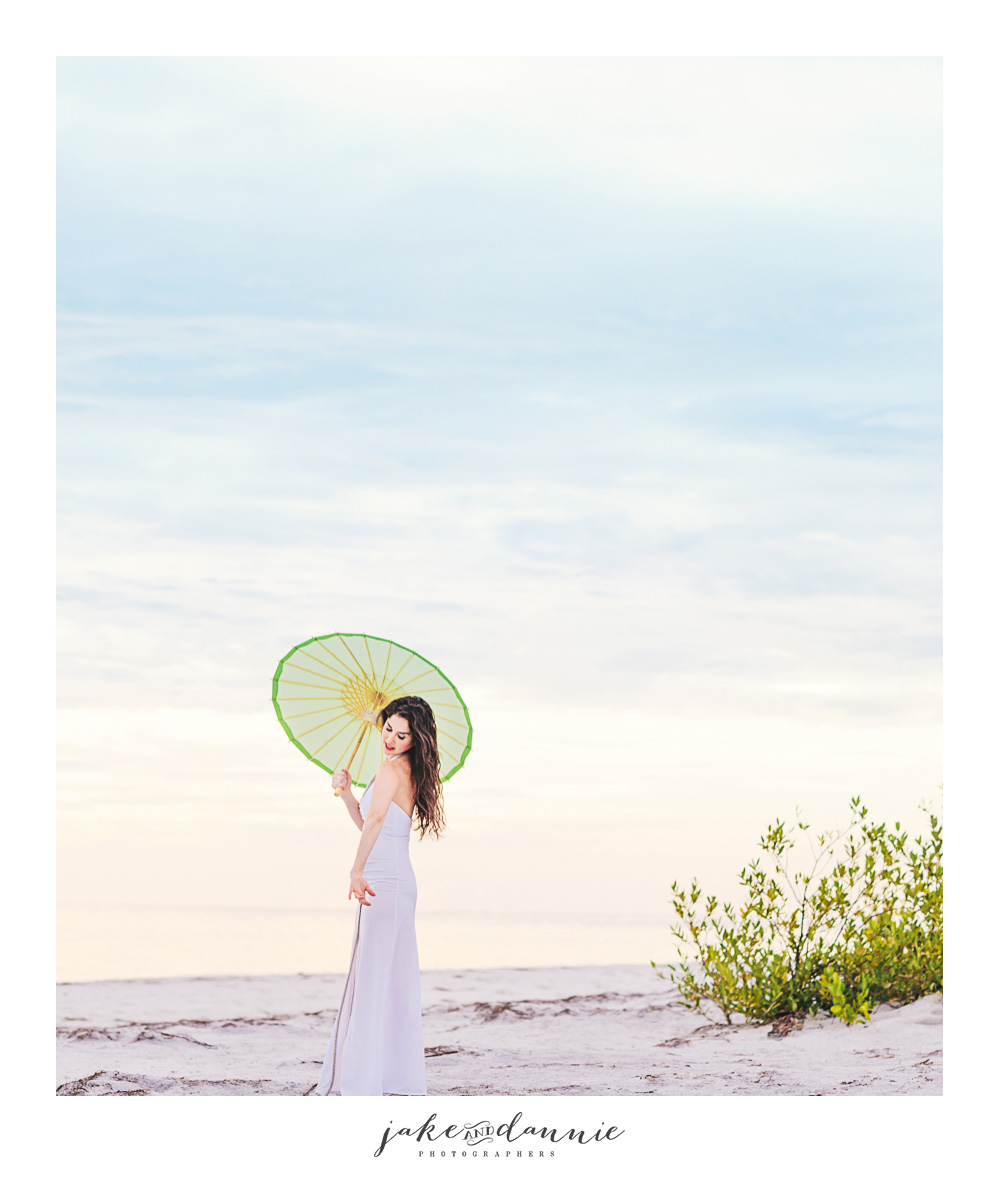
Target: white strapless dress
377, 1041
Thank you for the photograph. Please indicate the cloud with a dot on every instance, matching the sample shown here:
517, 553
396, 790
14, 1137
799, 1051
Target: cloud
326, 135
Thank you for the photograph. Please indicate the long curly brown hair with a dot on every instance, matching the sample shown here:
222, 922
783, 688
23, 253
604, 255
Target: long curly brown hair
424, 760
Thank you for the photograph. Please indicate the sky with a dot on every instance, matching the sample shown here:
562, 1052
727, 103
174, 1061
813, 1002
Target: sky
611, 386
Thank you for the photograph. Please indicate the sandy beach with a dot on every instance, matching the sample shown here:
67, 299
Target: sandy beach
615, 1030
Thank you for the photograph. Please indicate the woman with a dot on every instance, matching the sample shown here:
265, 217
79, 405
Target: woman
377, 1042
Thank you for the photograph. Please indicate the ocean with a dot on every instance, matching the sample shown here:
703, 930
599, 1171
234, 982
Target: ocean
148, 941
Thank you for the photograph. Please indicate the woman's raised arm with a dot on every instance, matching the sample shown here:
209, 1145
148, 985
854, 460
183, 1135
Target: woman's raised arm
386, 785
341, 786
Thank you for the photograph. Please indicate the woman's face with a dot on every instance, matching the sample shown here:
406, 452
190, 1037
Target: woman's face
396, 738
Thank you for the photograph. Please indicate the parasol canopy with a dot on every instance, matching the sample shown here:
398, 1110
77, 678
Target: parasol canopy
329, 690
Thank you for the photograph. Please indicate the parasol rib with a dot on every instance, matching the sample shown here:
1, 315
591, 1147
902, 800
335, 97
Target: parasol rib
305, 652
442, 688
371, 662
321, 725
284, 700
447, 721
390, 688
364, 675
303, 684
313, 712
399, 687
364, 752
388, 657
333, 656
321, 675
337, 734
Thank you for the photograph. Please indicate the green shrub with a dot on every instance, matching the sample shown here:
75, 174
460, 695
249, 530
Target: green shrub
863, 924
849, 1008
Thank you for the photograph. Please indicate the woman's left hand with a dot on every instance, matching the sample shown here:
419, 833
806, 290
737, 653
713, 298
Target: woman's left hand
358, 888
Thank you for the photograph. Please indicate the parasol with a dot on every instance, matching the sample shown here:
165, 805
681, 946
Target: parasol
328, 692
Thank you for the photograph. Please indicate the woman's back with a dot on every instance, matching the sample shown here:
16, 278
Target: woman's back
397, 822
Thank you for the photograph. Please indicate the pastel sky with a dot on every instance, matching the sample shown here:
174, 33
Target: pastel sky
612, 386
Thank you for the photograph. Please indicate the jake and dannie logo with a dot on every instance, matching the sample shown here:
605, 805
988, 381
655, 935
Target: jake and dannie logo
483, 1132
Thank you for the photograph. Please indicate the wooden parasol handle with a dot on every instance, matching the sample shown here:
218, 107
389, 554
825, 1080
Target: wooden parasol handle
357, 746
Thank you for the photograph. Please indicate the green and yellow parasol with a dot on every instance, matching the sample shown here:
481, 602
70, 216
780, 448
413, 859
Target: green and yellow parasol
328, 692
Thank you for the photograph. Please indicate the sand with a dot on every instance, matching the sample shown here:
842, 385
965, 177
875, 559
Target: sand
562, 1030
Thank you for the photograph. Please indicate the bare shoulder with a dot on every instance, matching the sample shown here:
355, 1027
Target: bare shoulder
390, 774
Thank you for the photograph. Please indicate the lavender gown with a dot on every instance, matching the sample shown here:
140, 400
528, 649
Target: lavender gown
377, 1041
